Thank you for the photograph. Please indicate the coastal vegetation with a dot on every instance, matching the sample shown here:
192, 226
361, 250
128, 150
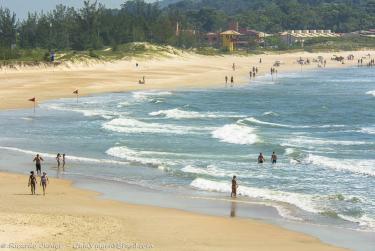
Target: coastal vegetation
97, 32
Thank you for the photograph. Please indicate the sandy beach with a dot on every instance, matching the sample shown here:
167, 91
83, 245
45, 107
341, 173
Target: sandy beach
182, 71
69, 217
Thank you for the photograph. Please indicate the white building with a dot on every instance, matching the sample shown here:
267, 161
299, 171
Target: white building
300, 36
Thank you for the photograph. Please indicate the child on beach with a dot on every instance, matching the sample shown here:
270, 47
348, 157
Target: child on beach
32, 182
43, 182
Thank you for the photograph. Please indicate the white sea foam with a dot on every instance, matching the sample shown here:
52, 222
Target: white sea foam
359, 166
181, 114
86, 112
133, 156
129, 125
371, 93
68, 157
260, 122
365, 222
368, 130
211, 170
303, 141
236, 134
270, 113
149, 95
302, 201
289, 151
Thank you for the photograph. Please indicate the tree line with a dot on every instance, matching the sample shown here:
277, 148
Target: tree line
94, 26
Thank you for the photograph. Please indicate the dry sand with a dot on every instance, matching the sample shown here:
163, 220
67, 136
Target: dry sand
186, 71
67, 216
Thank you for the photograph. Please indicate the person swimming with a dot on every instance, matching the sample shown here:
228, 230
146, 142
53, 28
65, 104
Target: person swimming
43, 182
234, 187
274, 158
261, 158
32, 182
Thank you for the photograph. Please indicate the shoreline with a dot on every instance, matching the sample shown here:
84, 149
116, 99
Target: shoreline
56, 217
187, 71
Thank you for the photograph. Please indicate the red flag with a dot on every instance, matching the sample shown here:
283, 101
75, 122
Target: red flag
75, 92
32, 99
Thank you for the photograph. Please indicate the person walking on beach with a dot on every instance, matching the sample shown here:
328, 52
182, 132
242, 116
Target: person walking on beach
234, 187
231, 81
58, 159
38, 164
43, 182
274, 158
226, 81
32, 182
234, 66
251, 74
260, 158
260, 60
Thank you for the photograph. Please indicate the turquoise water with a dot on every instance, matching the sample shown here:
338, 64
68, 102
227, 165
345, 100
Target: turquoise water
321, 124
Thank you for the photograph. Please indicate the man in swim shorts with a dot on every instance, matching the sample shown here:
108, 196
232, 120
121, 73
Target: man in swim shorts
274, 158
260, 158
38, 159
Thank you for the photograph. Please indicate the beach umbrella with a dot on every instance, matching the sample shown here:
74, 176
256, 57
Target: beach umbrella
34, 101
76, 92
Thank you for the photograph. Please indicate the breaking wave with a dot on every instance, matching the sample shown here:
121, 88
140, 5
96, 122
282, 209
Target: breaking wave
236, 134
181, 114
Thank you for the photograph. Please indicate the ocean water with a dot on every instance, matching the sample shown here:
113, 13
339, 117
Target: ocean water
321, 124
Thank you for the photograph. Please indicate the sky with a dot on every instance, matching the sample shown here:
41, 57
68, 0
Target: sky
22, 7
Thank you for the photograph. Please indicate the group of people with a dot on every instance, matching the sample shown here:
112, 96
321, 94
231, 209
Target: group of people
231, 81
33, 182
60, 159
253, 72
261, 160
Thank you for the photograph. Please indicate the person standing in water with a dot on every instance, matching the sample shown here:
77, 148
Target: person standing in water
43, 182
234, 187
63, 160
274, 158
260, 158
38, 164
58, 160
32, 182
